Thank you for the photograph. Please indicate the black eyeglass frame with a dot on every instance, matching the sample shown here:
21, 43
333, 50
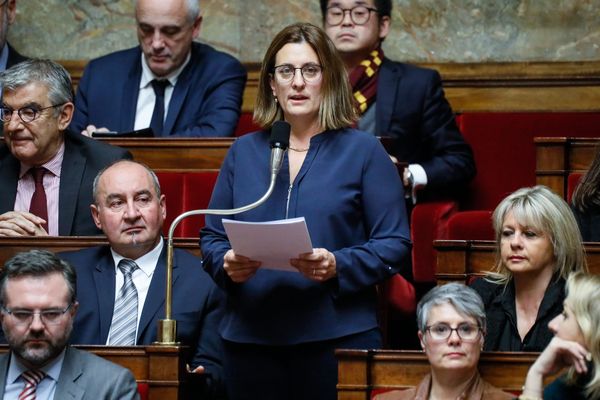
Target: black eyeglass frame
478, 329
7, 112
42, 314
351, 11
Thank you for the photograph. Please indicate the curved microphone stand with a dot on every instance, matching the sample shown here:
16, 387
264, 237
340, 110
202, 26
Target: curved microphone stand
167, 328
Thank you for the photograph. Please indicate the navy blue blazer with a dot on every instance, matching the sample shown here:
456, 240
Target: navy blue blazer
197, 304
412, 108
82, 160
14, 57
206, 100
351, 197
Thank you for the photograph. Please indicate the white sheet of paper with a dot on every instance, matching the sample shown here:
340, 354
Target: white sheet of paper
273, 242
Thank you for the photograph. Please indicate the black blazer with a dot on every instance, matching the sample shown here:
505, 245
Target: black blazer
83, 159
412, 108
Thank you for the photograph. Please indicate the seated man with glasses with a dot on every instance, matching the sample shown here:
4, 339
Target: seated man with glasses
38, 297
452, 327
46, 172
398, 100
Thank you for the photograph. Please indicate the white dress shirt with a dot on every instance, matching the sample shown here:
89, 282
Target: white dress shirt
146, 97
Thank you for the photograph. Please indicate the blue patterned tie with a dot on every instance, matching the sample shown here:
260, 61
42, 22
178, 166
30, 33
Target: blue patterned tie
124, 322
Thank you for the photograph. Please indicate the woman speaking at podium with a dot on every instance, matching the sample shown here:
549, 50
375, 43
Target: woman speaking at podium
281, 328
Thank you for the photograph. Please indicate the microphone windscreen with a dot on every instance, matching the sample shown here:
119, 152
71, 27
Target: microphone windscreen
280, 135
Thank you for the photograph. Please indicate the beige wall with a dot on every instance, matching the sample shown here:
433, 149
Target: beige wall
423, 30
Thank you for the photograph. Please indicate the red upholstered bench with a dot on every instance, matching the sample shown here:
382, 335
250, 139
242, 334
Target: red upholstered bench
504, 152
186, 191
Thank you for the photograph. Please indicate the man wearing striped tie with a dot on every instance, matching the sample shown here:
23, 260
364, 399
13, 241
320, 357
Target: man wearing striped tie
38, 305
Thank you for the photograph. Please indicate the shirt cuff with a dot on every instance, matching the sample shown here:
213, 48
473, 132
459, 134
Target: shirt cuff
420, 180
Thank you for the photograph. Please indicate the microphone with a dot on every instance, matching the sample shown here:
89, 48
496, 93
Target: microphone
279, 141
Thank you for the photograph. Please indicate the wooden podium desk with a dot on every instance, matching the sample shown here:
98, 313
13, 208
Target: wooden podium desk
176, 154
9, 246
362, 371
460, 260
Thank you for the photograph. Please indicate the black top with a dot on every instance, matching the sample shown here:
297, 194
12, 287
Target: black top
589, 224
500, 308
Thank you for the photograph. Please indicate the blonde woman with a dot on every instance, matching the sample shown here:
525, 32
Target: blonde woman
576, 344
538, 245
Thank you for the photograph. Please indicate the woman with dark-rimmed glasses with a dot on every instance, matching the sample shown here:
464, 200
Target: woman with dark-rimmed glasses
452, 328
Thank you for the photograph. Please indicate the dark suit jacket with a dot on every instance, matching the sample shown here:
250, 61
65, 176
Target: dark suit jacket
197, 305
86, 376
412, 108
83, 159
14, 57
206, 100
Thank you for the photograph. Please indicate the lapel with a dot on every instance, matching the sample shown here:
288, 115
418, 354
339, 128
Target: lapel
71, 370
387, 89
177, 98
9, 177
4, 360
104, 280
71, 173
156, 296
130, 94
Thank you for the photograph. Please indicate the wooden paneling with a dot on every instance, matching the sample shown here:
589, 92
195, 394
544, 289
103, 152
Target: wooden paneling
177, 154
9, 246
457, 260
361, 371
557, 157
520, 86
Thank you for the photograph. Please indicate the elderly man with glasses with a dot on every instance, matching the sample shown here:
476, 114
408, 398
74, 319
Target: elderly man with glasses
398, 100
46, 172
38, 305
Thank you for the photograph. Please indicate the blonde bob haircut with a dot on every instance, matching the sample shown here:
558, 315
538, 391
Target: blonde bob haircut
540, 209
583, 298
337, 109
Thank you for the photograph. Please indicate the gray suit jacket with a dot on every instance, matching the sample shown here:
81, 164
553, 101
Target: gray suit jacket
86, 376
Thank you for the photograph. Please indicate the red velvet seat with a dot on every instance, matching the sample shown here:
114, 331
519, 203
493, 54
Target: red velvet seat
186, 191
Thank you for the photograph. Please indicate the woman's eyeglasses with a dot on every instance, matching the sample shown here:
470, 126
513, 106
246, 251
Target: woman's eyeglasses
442, 331
285, 73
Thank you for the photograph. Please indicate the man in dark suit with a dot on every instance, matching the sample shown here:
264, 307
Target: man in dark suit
38, 295
169, 83
398, 100
8, 55
37, 107
130, 209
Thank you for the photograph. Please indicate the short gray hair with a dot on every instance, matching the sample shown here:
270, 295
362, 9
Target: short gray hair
464, 299
193, 9
38, 263
96, 183
53, 75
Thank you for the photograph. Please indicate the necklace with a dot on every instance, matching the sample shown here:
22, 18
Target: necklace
298, 150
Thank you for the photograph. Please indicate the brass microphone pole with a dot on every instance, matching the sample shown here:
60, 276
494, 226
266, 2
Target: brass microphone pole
167, 328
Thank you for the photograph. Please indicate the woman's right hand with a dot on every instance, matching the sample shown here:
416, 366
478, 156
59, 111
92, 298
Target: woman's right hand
557, 355
239, 268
